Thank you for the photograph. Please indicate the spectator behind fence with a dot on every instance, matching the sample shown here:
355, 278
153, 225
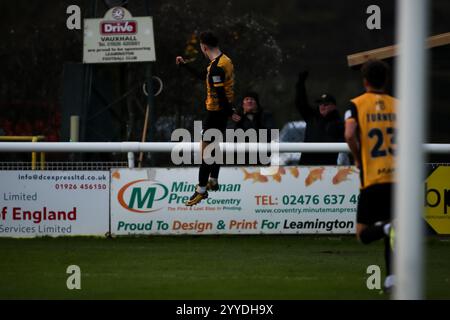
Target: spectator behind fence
323, 123
251, 115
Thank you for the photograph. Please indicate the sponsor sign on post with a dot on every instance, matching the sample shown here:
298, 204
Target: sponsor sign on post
54, 203
118, 37
292, 200
437, 200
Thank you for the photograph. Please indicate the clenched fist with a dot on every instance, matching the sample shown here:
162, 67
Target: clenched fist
179, 60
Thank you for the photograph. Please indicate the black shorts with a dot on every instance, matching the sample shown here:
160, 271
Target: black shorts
215, 120
375, 204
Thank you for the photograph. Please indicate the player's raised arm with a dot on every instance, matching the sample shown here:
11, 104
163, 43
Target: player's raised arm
181, 62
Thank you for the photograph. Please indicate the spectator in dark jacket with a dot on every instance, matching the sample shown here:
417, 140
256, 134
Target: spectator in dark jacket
252, 116
323, 123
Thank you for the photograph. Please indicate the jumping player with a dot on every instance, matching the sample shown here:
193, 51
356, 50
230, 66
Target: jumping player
219, 98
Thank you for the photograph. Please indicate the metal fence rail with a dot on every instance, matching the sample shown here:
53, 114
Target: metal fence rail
64, 166
33, 154
166, 147
435, 148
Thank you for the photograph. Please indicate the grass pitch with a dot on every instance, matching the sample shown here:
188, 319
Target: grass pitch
204, 267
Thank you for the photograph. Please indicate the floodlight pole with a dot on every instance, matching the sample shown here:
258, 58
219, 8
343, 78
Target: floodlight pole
150, 114
87, 86
411, 86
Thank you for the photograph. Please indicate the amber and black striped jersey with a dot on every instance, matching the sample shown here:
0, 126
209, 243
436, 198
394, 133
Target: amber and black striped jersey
219, 80
376, 118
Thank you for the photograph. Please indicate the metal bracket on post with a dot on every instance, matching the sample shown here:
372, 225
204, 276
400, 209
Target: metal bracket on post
130, 160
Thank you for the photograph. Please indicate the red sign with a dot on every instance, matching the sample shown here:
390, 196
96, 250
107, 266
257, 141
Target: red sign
118, 27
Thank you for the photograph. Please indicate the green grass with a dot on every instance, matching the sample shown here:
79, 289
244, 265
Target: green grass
206, 267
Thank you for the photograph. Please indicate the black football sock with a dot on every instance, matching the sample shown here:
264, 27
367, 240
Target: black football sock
372, 233
203, 174
215, 168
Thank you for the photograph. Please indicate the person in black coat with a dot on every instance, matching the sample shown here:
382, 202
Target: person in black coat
250, 115
323, 123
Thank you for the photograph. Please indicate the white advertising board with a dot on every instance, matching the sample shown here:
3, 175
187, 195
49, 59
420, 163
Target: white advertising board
54, 203
118, 37
305, 200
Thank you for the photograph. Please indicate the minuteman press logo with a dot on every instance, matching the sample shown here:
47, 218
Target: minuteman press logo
142, 196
